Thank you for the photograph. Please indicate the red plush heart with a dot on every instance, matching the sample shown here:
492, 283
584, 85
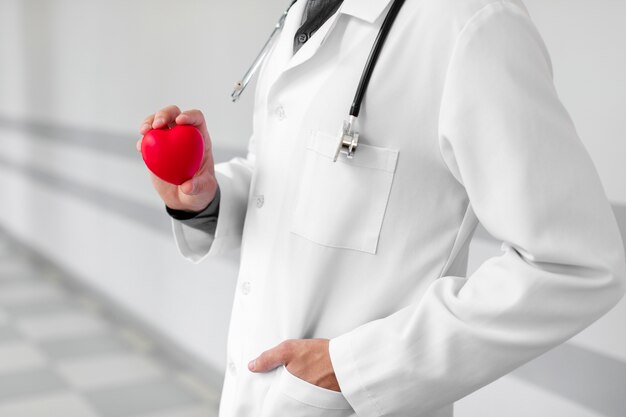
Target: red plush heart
175, 154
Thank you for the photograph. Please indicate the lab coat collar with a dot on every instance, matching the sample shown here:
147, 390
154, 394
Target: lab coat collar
368, 10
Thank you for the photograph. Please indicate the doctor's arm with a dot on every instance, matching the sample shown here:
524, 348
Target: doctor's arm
508, 140
215, 189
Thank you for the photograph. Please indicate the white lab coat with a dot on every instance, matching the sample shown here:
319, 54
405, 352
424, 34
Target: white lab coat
461, 124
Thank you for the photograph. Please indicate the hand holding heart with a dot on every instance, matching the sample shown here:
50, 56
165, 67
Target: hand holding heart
173, 154
196, 193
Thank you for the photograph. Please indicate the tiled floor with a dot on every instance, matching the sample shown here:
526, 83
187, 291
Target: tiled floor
62, 356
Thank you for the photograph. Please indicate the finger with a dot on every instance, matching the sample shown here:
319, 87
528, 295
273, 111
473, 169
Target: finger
199, 184
271, 359
145, 128
138, 145
191, 117
146, 124
165, 117
189, 186
195, 118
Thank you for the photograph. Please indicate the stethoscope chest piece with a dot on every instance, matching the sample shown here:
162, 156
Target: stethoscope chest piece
348, 139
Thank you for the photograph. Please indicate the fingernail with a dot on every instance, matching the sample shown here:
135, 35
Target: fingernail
251, 365
146, 126
194, 185
158, 122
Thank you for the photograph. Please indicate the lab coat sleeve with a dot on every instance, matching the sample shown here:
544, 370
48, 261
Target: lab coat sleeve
234, 179
506, 137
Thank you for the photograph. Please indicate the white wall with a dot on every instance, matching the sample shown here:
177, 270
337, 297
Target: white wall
104, 65
587, 42
107, 64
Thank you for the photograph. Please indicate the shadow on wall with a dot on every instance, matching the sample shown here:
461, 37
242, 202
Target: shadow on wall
589, 379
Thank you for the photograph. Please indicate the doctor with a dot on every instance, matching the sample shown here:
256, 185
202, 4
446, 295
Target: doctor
352, 296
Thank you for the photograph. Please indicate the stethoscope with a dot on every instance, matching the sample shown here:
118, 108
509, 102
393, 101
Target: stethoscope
349, 136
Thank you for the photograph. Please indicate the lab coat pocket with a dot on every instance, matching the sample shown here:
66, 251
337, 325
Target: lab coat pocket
342, 204
294, 397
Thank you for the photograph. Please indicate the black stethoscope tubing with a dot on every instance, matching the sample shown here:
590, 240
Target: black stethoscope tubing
355, 109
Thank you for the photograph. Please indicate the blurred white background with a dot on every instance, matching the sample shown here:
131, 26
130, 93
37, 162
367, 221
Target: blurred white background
78, 76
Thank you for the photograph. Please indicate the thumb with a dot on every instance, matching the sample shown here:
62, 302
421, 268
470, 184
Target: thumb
190, 187
272, 358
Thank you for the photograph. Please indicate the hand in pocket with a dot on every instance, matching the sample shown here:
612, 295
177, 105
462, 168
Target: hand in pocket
307, 359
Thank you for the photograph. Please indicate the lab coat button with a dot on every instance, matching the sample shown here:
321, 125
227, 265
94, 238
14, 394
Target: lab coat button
232, 368
280, 113
260, 200
246, 288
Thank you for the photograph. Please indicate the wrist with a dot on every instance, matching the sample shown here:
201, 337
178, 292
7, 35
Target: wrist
181, 214
210, 209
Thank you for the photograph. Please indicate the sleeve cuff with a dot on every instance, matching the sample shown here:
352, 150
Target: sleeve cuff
202, 237
348, 376
210, 211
